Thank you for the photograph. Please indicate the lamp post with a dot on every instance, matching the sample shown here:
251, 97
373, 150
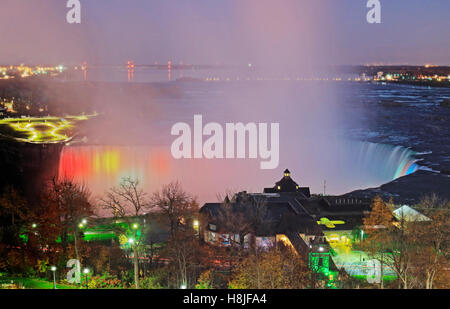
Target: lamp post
86, 272
196, 227
53, 268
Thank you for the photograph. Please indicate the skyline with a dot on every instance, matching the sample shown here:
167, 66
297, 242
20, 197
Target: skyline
226, 32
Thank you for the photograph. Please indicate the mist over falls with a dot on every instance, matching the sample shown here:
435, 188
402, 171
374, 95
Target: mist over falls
314, 143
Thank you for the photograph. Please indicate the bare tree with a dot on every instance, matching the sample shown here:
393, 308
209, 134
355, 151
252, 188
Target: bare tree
241, 218
177, 210
232, 220
71, 204
379, 226
278, 268
16, 217
175, 206
415, 249
127, 203
256, 212
431, 240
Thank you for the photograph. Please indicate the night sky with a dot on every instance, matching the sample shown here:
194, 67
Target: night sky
225, 32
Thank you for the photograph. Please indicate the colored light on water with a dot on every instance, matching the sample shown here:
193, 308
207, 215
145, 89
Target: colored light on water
102, 167
414, 167
406, 168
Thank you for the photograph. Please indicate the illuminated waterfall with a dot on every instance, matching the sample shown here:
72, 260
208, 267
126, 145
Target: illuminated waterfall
102, 167
347, 166
386, 161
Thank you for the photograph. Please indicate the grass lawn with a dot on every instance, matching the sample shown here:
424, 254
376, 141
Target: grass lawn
39, 284
385, 278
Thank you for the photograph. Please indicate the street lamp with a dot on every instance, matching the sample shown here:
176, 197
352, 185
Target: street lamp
53, 268
86, 272
84, 221
196, 227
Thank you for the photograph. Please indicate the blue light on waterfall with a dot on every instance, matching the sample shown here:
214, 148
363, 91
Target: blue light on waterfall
387, 162
414, 167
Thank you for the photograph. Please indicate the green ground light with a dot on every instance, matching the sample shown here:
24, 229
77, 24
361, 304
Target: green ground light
40, 284
40, 129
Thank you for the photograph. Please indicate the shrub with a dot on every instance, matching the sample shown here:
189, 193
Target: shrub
105, 281
150, 282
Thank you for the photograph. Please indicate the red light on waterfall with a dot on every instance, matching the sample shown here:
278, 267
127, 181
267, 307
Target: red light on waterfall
160, 163
73, 165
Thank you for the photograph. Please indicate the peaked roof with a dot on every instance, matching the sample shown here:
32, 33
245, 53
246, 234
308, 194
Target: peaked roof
287, 184
409, 215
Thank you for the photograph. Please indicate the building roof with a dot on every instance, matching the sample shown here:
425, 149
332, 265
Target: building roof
409, 215
287, 184
292, 211
281, 214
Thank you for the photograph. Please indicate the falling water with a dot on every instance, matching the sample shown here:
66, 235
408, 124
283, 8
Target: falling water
387, 161
361, 164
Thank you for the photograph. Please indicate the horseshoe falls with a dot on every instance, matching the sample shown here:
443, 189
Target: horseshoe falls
387, 161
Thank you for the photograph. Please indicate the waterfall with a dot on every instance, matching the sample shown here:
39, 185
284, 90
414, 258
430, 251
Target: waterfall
387, 161
346, 166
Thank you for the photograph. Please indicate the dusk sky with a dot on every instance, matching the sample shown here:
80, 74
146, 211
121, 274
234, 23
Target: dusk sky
225, 32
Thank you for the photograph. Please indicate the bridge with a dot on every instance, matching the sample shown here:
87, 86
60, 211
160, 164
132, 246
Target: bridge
131, 67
